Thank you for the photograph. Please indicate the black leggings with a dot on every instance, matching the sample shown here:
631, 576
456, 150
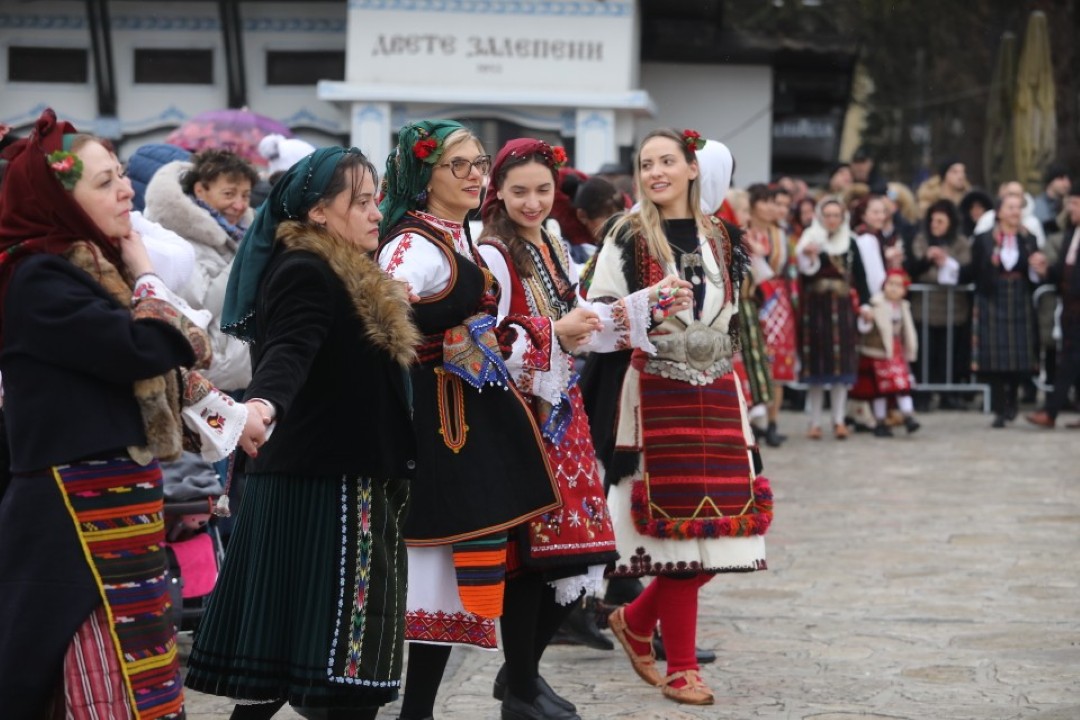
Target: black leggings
531, 617
422, 679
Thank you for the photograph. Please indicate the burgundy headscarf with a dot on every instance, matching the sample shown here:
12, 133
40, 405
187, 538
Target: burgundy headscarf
37, 215
521, 147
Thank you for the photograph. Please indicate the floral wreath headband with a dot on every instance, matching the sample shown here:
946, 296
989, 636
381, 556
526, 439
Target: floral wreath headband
554, 156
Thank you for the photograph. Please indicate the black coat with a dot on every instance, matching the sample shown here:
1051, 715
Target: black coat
342, 402
70, 355
982, 270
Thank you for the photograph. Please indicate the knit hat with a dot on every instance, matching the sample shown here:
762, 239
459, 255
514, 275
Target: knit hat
282, 153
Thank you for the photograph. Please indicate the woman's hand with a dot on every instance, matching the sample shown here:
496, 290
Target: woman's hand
1038, 263
936, 255
576, 328
672, 295
413, 297
894, 256
258, 420
133, 252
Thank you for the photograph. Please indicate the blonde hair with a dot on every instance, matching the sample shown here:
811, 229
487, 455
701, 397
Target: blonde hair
647, 220
905, 201
459, 136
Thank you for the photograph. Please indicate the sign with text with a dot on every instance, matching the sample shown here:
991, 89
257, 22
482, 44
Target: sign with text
572, 45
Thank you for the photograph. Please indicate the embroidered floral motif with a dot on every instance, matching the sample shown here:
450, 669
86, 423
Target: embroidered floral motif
399, 254
362, 562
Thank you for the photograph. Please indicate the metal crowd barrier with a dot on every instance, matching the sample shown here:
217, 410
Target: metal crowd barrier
950, 385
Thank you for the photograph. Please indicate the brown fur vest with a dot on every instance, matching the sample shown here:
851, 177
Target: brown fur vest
380, 302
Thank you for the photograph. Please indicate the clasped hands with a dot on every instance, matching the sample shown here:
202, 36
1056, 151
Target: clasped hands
669, 296
256, 429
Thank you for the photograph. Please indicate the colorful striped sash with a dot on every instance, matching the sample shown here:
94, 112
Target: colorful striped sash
116, 506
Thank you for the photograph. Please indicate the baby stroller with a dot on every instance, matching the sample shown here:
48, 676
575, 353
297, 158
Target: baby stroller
193, 540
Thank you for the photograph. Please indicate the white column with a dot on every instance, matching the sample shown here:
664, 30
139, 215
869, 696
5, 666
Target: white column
595, 143
370, 130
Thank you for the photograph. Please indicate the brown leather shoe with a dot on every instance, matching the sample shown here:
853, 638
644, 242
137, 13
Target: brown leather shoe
1040, 418
814, 433
841, 432
693, 692
644, 665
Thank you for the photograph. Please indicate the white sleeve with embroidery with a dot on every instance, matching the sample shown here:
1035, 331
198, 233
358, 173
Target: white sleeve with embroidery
150, 285
624, 324
626, 321
416, 261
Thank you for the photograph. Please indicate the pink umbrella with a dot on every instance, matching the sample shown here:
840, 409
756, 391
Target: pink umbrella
237, 130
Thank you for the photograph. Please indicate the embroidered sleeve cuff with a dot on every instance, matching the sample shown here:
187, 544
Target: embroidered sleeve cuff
151, 286
213, 416
625, 324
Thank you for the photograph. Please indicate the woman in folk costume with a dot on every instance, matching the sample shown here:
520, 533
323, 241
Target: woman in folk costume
310, 604
687, 502
888, 344
768, 247
93, 351
1005, 267
832, 271
753, 350
481, 464
558, 555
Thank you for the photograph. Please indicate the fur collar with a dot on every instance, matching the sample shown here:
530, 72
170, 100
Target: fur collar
379, 300
168, 206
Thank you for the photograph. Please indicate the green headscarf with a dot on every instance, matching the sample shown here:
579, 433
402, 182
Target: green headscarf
408, 175
294, 194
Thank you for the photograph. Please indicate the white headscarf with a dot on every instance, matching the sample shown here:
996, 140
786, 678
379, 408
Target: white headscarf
282, 153
716, 165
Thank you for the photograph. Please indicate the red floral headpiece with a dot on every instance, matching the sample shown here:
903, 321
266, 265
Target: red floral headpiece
693, 140
898, 272
68, 167
427, 148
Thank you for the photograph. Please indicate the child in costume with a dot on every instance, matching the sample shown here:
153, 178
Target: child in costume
888, 343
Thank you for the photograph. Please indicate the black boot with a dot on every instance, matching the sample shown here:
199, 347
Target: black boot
772, 437
580, 628
704, 657
882, 430
911, 424
622, 590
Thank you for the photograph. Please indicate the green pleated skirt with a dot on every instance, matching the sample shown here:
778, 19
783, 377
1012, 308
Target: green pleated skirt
310, 604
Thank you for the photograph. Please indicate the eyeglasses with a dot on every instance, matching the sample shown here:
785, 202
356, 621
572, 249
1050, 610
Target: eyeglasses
461, 167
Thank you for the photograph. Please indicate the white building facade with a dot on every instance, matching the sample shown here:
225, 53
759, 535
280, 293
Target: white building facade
568, 71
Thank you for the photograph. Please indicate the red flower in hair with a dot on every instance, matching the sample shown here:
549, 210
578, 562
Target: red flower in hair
67, 166
558, 155
426, 149
693, 140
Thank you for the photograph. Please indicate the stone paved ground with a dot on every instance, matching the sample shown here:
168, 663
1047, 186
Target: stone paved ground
935, 577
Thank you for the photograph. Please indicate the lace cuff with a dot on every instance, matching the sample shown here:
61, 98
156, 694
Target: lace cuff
625, 324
